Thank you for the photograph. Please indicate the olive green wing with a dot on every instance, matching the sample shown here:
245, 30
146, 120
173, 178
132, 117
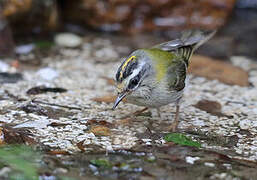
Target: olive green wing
170, 66
182, 50
176, 75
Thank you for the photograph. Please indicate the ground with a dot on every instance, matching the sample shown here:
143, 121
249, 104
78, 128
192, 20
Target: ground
80, 121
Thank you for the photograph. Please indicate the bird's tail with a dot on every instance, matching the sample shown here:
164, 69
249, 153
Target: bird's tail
187, 44
195, 38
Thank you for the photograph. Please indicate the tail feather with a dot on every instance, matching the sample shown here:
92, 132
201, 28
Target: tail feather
187, 44
196, 38
193, 38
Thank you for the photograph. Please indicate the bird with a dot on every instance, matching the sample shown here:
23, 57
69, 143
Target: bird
156, 76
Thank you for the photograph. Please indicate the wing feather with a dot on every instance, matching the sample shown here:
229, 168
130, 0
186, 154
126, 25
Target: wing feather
186, 45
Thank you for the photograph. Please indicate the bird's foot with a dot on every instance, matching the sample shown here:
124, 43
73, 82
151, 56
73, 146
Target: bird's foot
139, 111
132, 116
173, 127
158, 112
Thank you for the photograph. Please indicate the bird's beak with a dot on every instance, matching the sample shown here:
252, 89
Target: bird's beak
119, 98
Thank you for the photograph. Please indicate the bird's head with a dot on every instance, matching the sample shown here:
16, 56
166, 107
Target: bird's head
130, 75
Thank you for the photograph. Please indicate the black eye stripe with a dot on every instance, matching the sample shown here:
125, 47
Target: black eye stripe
134, 81
138, 78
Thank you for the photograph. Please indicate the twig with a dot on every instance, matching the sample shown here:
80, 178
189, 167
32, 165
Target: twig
57, 105
236, 102
16, 98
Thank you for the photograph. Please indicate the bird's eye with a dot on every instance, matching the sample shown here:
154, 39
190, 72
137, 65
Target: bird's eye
133, 82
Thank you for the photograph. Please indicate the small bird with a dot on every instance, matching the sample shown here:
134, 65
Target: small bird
154, 77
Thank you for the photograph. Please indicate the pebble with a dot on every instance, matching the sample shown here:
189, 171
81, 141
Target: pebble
60, 171
209, 164
67, 40
191, 160
3, 66
46, 177
228, 166
245, 124
242, 62
4, 171
24, 49
48, 73
38, 124
198, 122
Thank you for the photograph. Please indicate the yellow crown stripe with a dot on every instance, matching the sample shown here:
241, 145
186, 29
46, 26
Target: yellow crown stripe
125, 64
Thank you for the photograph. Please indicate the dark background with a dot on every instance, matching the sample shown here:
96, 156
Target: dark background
26, 20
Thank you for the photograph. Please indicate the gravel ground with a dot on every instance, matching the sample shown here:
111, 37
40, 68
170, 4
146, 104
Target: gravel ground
83, 73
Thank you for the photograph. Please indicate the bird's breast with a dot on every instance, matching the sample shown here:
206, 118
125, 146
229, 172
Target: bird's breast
154, 98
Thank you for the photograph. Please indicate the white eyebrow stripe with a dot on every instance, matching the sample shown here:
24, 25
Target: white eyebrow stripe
136, 71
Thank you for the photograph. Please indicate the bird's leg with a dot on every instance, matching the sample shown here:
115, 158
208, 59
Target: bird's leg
174, 124
158, 112
133, 115
140, 111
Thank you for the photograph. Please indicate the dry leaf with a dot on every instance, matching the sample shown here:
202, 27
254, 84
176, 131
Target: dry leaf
56, 124
11, 135
106, 99
125, 121
110, 81
57, 152
81, 146
1, 136
100, 130
102, 123
215, 69
211, 107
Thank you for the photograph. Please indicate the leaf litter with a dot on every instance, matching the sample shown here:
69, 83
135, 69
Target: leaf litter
216, 69
100, 130
11, 135
212, 107
106, 99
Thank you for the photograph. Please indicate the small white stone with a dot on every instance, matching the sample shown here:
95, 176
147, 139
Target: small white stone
228, 166
67, 40
60, 171
47, 73
245, 124
239, 151
191, 160
148, 143
3, 66
241, 61
24, 49
4, 171
223, 175
209, 164
198, 122
38, 124
45, 177
83, 137
146, 140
